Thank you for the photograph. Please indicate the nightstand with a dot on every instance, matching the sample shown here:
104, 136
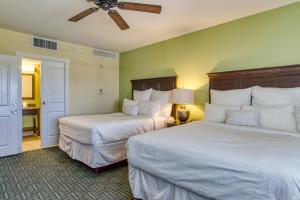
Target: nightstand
173, 124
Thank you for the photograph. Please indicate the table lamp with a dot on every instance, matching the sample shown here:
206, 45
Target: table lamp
183, 97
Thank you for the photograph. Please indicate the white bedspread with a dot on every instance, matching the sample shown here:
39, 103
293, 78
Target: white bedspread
221, 161
107, 128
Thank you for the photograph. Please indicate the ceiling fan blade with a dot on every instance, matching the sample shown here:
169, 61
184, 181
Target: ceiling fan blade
83, 14
118, 19
140, 7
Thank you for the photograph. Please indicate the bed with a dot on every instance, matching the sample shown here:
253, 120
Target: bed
202, 160
99, 141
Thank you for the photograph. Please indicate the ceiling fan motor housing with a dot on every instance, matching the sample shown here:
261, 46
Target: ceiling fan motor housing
106, 4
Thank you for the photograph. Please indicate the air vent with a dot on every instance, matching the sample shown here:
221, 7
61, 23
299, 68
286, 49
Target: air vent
44, 43
106, 54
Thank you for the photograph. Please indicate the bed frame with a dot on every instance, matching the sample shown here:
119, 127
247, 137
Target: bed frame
163, 84
281, 77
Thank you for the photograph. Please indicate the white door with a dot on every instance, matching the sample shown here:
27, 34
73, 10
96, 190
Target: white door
53, 100
10, 106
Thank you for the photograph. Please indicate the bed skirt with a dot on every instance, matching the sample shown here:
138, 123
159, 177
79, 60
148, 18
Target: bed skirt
91, 155
147, 187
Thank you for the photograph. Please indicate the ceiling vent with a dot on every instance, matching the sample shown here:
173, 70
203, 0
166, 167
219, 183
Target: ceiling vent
44, 43
106, 54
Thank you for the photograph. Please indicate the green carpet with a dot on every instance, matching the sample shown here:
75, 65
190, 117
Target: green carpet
51, 174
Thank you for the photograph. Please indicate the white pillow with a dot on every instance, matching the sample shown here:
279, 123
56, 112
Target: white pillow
231, 97
284, 109
165, 99
130, 107
216, 113
142, 95
149, 108
278, 97
276, 117
243, 118
131, 110
128, 102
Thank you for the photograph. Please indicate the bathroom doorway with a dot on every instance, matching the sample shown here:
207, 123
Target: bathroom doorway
31, 104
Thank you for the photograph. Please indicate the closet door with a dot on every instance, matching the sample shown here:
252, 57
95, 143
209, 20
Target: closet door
10, 106
53, 100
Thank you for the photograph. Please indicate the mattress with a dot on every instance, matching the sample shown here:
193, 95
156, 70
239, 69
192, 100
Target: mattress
221, 161
107, 128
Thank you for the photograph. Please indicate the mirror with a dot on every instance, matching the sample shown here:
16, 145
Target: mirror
28, 86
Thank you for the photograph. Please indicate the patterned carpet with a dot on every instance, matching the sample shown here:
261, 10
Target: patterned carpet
50, 174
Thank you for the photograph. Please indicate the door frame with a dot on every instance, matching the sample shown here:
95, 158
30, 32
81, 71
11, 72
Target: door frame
22, 55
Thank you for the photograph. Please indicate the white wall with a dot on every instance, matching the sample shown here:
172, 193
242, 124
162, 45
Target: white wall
86, 80
86, 74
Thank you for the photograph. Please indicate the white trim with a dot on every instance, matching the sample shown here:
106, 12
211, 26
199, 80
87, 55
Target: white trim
21, 55
19, 102
67, 91
41, 57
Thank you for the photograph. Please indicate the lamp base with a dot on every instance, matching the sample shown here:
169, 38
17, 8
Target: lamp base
183, 115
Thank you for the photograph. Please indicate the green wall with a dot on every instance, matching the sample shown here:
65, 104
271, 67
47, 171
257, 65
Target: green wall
264, 40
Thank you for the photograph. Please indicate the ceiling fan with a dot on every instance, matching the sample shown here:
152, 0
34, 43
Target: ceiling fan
108, 5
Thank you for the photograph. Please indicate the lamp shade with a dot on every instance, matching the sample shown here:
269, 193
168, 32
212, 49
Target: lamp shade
183, 96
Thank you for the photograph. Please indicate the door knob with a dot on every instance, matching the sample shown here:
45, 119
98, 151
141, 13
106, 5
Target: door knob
44, 103
14, 111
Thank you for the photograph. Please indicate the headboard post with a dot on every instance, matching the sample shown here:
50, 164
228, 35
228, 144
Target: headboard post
162, 84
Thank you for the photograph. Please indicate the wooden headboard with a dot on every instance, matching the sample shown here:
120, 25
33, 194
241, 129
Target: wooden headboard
162, 84
281, 77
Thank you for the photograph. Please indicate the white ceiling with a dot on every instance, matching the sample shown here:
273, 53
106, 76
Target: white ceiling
48, 18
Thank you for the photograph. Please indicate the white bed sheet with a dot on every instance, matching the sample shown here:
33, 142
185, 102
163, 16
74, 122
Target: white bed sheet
107, 128
222, 161
93, 156
147, 187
